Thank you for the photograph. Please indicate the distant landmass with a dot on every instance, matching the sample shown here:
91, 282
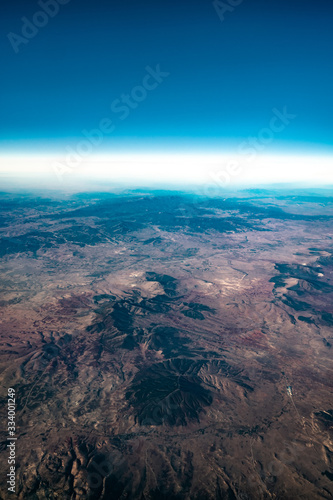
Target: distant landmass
167, 346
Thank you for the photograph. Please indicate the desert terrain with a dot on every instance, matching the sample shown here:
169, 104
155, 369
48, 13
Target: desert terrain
168, 346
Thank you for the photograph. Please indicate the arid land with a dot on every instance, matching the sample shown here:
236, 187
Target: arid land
167, 346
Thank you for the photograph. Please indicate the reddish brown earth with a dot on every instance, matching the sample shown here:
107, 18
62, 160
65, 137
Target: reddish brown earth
151, 339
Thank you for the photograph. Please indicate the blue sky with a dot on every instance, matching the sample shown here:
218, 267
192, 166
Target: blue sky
225, 78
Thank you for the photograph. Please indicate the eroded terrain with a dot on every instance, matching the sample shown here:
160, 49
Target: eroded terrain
165, 346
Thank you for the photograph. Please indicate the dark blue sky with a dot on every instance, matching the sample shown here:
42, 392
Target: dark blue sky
225, 77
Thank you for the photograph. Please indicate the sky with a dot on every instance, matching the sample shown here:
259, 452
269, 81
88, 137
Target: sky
247, 77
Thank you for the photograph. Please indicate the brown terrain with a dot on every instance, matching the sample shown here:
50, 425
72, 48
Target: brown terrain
164, 346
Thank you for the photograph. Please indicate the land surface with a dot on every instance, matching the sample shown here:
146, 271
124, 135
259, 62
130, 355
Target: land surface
168, 346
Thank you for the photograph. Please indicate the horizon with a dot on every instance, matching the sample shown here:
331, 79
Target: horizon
206, 172
249, 79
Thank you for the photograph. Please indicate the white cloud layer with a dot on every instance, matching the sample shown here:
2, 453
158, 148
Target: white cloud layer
219, 170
